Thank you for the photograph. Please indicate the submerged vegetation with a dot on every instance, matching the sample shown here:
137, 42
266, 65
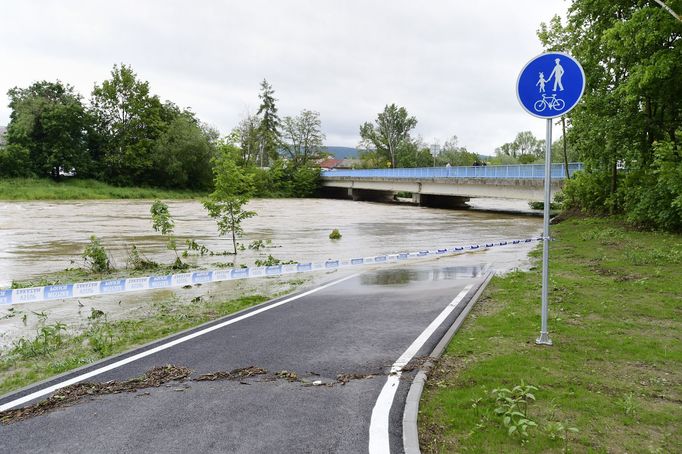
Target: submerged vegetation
54, 350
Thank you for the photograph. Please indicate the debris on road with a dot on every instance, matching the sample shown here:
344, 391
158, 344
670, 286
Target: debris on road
70, 394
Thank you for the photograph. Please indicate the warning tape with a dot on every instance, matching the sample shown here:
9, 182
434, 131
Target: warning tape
134, 284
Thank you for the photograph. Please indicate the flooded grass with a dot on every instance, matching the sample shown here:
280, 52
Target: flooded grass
52, 351
614, 373
75, 189
71, 275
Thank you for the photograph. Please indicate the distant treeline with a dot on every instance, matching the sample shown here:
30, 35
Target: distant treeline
124, 136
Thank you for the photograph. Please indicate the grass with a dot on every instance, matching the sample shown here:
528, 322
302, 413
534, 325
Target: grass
52, 351
75, 189
614, 373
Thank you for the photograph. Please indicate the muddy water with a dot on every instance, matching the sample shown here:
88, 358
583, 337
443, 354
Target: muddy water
43, 237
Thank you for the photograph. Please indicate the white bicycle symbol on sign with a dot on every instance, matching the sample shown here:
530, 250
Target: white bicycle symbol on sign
549, 102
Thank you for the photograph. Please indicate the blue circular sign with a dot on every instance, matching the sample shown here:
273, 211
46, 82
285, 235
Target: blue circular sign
550, 85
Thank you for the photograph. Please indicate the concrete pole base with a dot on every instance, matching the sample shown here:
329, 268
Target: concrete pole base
543, 339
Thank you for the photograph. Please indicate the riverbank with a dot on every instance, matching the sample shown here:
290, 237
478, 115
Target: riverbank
75, 189
612, 382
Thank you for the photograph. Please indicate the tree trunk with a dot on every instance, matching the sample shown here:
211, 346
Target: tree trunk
234, 236
563, 127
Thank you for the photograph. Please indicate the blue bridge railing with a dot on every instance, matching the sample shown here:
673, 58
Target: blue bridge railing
535, 171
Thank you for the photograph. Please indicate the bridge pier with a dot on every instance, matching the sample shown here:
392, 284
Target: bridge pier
371, 195
440, 201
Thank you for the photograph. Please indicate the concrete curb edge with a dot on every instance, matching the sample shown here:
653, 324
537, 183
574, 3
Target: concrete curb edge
411, 412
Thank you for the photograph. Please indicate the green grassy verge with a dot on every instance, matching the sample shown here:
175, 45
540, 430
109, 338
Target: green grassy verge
614, 372
53, 351
75, 189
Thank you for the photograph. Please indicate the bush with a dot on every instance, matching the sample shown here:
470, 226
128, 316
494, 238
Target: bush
96, 257
653, 196
15, 161
589, 192
335, 235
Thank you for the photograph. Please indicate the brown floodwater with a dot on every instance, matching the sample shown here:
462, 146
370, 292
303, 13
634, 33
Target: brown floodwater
37, 238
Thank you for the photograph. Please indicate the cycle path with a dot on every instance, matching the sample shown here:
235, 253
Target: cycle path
356, 327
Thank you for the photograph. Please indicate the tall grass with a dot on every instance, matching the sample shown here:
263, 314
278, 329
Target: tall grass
77, 189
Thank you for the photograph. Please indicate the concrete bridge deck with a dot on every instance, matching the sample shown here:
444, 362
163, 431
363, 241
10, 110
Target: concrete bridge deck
445, 186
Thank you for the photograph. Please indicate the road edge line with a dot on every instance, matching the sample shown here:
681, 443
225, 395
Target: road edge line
156, 346
411, 411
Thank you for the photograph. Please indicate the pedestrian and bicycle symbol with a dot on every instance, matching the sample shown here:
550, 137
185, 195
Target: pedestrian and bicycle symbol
550, 85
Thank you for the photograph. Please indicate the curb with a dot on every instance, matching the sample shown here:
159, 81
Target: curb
411, 412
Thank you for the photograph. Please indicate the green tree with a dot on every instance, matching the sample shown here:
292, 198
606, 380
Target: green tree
232, 189
129, 120
390, 132
632, 106
247, 136
48, 121
182, 155
303, 138
269, 128
525, 148
15, 161
163, 222
451, 153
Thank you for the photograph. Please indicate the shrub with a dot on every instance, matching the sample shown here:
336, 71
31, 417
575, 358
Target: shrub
96, 257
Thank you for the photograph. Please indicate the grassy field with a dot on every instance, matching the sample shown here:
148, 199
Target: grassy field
612, 382
74, 189
53, 351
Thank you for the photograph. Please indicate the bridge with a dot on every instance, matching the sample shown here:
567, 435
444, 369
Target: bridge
447, 187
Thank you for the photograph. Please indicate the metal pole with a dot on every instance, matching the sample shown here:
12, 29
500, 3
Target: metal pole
544, 336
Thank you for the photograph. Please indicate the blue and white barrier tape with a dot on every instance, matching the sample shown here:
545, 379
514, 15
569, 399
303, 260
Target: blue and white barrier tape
134, 284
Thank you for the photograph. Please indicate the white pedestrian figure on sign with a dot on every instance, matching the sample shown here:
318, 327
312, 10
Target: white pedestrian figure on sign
557, 73
541, 82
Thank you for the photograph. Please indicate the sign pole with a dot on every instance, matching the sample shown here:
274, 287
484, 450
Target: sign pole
549, 86
544, 335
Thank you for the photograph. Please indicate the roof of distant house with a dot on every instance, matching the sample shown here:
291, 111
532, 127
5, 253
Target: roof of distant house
330, 163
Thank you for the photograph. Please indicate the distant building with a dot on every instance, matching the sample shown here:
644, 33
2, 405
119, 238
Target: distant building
332, 164
3, 129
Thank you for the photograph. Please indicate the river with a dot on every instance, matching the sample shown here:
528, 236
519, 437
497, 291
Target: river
37, 238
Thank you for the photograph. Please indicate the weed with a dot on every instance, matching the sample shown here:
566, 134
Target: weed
257, 245
137, 261
48, 339
628, 404
653, 256
557, 430
270, 261
96, 314
192, 245
224, 264
512, 406
604, 236
100, 333
96, 257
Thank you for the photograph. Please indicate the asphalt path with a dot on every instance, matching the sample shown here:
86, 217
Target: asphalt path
359, 325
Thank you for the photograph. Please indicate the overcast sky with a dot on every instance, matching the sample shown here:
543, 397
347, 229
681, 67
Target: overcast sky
452, 64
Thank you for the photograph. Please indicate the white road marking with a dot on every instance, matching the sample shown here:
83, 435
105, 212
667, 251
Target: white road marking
159, 348
378, 425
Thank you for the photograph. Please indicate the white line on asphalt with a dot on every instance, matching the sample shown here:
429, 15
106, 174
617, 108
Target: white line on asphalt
378, 425
165, 346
